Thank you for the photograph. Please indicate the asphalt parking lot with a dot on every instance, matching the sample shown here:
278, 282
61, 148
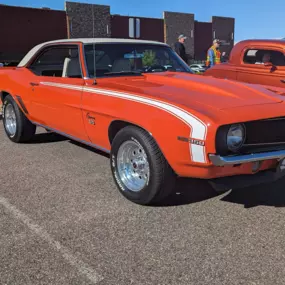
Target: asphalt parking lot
62, 221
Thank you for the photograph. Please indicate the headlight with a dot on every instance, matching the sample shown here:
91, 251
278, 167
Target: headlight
235, 137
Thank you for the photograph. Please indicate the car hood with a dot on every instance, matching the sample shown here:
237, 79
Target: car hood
189, 90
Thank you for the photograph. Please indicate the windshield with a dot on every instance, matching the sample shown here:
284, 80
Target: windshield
131, 59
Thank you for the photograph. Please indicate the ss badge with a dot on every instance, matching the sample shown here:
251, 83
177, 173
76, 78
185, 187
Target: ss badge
90, 119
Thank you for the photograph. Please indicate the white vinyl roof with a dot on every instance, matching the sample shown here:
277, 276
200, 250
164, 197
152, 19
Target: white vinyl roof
35, 49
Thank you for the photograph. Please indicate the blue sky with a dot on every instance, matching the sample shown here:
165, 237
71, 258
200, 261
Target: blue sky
254, 18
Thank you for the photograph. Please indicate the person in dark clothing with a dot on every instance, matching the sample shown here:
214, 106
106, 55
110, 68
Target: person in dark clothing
180, 48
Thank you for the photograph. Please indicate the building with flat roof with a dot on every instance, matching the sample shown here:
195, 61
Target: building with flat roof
200, 35
23, 27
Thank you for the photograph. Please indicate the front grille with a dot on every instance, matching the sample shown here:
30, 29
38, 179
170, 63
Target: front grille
261, 136
247, 149
265, 132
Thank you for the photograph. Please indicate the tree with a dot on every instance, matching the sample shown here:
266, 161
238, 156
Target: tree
148, 58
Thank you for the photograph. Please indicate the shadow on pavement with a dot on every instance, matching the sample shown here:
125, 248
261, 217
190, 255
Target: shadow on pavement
51, 137
189, 191
46, 138
271, 194
99, 152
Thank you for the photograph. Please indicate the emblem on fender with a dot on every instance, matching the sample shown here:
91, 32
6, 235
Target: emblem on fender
90, 119
192, 141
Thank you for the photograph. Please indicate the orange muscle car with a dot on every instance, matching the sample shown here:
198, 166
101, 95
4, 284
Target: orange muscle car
254, 61
138, 101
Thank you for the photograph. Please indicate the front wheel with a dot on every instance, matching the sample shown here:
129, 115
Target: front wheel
17, 127
139, 168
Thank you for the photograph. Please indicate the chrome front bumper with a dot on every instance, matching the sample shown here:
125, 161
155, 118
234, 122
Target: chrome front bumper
218, 160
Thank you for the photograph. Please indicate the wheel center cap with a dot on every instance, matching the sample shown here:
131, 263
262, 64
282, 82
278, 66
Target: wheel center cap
138, 165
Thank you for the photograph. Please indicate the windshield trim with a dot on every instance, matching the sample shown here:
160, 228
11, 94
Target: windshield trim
181, 61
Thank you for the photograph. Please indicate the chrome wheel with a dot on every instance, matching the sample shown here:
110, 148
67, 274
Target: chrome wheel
133, 166
10, 119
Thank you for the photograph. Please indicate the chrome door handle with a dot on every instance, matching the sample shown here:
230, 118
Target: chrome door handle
282, 80
34, 84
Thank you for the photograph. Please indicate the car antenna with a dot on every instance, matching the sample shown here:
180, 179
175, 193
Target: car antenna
94, 54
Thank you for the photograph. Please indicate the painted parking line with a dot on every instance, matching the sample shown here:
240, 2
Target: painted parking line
83, 268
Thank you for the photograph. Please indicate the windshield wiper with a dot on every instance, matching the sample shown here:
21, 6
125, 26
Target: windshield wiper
123, 73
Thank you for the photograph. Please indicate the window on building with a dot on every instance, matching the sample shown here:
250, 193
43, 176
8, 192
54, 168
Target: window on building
131, 28
134, 28
58, 61
138, 28
260, 56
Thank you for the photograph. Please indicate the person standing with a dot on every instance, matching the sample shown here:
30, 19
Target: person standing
180, 48
213, 54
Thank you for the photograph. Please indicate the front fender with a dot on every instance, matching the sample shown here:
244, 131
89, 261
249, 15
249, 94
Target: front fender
180, 135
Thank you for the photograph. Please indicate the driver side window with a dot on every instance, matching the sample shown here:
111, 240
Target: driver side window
58, 61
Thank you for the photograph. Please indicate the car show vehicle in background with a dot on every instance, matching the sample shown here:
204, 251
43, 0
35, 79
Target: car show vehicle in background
198, 68
254, 61
139, 102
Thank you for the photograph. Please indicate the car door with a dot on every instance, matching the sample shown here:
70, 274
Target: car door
56, 90
253, 70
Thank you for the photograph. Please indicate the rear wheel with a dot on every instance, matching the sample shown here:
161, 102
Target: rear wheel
139, 168
17, 127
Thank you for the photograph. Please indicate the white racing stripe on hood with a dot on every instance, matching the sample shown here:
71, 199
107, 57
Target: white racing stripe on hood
198, 129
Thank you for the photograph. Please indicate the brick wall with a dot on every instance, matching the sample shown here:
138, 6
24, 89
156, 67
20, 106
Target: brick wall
120, 26
203, 39
223, 29
176, 24
34, 26
23, 28
152, 29
82, 17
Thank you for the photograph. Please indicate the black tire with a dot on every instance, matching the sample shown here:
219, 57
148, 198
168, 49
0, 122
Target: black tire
161, 179
25, 130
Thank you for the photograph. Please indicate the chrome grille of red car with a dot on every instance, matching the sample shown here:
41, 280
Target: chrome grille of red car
269, 131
